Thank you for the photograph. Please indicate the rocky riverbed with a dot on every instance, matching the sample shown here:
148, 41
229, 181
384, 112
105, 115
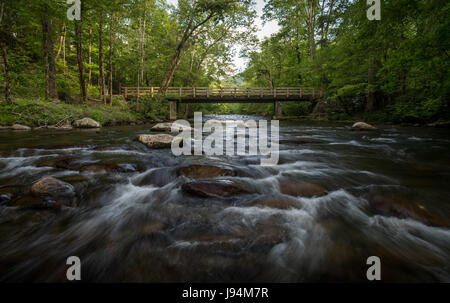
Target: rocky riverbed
135, 213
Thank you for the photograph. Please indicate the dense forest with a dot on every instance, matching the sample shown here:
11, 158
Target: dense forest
395, 69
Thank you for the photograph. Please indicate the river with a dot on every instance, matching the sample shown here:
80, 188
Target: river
384, 193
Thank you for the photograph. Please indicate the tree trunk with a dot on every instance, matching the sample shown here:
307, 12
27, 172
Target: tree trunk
7, 74
51, 91
100, 60
64, 48
111, 60
311, 28
173, 65
78, 37
90, 56
178, 54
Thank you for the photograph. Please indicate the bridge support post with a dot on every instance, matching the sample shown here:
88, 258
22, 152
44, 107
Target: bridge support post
173, 110
277, 110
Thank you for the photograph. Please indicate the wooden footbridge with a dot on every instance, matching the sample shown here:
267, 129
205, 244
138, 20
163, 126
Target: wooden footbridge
177, 95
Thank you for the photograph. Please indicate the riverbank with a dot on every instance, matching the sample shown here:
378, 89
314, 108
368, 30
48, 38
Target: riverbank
39, 113
366, 118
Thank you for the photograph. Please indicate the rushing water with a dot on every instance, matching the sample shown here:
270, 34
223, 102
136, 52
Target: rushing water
387, 195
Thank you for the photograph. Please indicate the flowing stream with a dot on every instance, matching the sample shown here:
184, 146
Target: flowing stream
384, 193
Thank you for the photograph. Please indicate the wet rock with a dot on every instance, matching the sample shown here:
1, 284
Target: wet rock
301, 188
205, 171
363, 126
278, 203
20, 127
152, 228
51, 187
223, 188
101, 168
157, 177
407, 209
34, 203
65, 163
74, 178
8, 194
167, 127
157, 141
86, 123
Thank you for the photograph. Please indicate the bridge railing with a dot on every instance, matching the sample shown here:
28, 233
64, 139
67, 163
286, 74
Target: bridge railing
224, 92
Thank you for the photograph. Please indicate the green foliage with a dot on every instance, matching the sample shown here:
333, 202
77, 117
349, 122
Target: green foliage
415, 112
400, 63
40, 113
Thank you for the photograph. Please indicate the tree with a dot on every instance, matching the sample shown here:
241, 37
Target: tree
51, 91
194, 14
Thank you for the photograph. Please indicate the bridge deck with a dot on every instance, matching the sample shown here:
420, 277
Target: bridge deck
227, 94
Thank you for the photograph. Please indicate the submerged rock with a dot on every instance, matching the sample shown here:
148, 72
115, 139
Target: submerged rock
102, 168
222, 188
278, 203
33, 202
74, 178
86, 123
301, 188
363, 126
295, 142
157, 177
52, 187
47, 193
407, 209
205, 171
157, 141
20, 127
8, 193
65, 163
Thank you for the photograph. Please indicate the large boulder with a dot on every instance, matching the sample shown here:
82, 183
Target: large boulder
51, 187
157, 141
86, 123
301, 188
363, 126
167, 127
205, 171
20, 127
223, 188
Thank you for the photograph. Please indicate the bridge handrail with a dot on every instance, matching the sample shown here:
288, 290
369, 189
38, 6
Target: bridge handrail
235, 92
